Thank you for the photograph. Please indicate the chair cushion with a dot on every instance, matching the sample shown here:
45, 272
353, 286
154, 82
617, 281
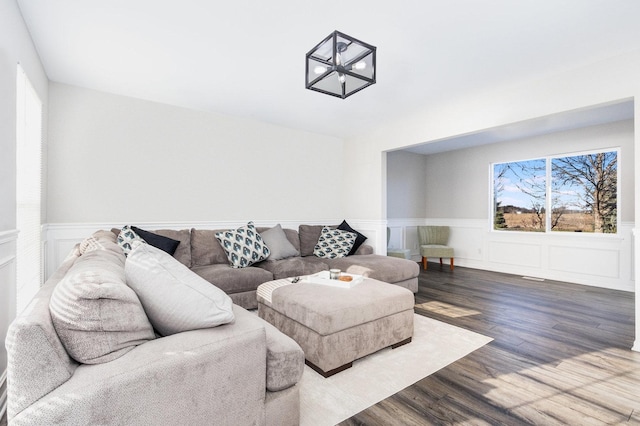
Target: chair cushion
434, 250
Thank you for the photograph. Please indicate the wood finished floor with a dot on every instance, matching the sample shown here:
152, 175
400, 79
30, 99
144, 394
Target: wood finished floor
560, 355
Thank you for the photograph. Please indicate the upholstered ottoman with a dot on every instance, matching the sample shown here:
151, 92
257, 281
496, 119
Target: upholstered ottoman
335, 326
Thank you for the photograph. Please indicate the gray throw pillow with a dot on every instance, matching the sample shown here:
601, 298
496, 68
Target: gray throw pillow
174, 298
279, 246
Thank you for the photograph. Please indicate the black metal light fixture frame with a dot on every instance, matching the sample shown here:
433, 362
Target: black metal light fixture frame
340, 66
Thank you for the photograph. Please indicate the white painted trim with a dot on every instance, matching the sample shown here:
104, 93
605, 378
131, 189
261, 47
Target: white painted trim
8, 236
3, 396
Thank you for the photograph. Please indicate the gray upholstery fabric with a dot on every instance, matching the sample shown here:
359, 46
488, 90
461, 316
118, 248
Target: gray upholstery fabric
206, 249
335, 350
183, 252
283, 407
294, 266
246, 299
96, 315
209, 376
233, 280
35, 351
309, 235
278, 243
327, 310
382, 268
174, 298
285, 359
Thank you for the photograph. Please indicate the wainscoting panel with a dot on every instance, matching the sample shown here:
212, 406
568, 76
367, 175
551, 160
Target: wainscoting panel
514, 254
598, 260
585, 260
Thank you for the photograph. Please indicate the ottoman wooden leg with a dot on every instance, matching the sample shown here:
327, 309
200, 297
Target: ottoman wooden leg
329, 373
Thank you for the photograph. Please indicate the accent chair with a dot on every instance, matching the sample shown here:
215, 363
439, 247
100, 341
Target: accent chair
433, 243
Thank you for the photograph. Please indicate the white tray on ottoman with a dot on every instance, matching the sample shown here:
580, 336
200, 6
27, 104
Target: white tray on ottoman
335, 326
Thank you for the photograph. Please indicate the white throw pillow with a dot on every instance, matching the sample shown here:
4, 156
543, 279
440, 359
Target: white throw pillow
174, 298
334, 243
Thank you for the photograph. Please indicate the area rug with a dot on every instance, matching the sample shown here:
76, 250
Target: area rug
384, 373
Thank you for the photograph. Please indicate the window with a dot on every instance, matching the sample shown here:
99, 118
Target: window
28, 190
580, 191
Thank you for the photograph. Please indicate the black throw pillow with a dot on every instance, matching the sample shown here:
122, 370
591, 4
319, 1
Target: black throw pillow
163, 243
344, 226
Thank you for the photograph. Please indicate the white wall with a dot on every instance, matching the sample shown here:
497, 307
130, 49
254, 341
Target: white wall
458, 191
15, 47
463, 189
114, 159
593, 84
406, 184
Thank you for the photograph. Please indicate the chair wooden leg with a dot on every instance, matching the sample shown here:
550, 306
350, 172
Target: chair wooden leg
451, 264
424, 263
441, 262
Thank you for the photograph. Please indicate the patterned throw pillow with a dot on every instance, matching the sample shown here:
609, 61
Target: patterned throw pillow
334, 243
126, 238
244, 246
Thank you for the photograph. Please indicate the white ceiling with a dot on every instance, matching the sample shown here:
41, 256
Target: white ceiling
246, 58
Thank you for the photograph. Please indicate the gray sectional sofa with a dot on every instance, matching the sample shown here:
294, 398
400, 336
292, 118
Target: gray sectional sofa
96, 359
200, 250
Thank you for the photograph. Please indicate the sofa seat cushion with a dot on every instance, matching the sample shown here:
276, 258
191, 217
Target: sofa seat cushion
174, 298
285, 359
383, 268
233, 280
294, 266
97, 317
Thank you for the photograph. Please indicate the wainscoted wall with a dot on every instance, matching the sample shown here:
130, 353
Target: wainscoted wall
60, 238
8, 303
597, 260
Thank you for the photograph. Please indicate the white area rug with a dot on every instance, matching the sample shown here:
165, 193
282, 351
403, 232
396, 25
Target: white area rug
384, 373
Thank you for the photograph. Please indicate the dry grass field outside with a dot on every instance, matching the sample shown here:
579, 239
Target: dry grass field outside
569, 222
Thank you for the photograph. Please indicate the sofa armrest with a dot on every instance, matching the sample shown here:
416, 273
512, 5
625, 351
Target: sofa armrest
186, 378
364, 249
285, 358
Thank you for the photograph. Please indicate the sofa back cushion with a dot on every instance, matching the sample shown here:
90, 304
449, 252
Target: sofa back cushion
97, 317
309, 235
183, 252
206, 249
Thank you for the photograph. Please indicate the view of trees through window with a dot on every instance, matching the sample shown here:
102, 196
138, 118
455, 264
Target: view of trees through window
580, 191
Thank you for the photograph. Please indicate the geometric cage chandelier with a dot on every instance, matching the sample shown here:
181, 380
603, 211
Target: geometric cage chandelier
340, 66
